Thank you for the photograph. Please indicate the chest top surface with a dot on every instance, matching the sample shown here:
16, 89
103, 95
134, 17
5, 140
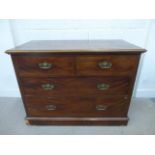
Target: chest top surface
76, 46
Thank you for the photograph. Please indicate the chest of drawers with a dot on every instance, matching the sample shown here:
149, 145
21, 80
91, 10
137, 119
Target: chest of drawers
76, 82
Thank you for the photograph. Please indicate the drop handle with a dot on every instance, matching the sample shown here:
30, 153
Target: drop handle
48, 86
103, 86
51, 107
45, 65
105, 64
101, 107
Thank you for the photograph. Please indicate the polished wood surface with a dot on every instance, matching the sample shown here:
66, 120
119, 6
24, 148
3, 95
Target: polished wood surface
67, 46
77, 106
29, 66
75, 86
77, 120
122, 65
87, 65
76, 82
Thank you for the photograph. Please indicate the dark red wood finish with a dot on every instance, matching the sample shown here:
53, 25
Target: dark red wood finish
77, 106
122, 65
76, 76
28, 66
82, 86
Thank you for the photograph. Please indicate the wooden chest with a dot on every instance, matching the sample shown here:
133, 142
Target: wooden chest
76, 82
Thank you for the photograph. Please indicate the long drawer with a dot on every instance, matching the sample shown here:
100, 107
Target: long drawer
76, 106
76, 86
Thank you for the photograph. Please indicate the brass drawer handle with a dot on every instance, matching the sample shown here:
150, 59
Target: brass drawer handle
51, 107
45, 65
101, 107
105, 64
103, 86
48, 86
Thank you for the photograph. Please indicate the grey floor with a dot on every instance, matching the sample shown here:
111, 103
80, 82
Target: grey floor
141, 114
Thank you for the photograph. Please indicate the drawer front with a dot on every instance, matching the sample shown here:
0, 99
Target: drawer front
41, 66
76, 106
76, 86
107, 65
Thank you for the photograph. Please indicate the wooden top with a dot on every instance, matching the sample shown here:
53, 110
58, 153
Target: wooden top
77, 46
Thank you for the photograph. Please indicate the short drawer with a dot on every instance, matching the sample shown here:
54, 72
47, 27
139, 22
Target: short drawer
76, 106
107, 65
43, 66
75, 86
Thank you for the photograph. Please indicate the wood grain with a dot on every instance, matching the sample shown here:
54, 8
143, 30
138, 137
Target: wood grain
77, 120
75, 86
122, 65
76, 46
75, 75
77, 106
29, 66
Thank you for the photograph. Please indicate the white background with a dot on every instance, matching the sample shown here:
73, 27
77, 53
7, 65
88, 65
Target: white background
139, 32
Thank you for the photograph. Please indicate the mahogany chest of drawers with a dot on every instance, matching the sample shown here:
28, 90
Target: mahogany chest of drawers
76, 82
